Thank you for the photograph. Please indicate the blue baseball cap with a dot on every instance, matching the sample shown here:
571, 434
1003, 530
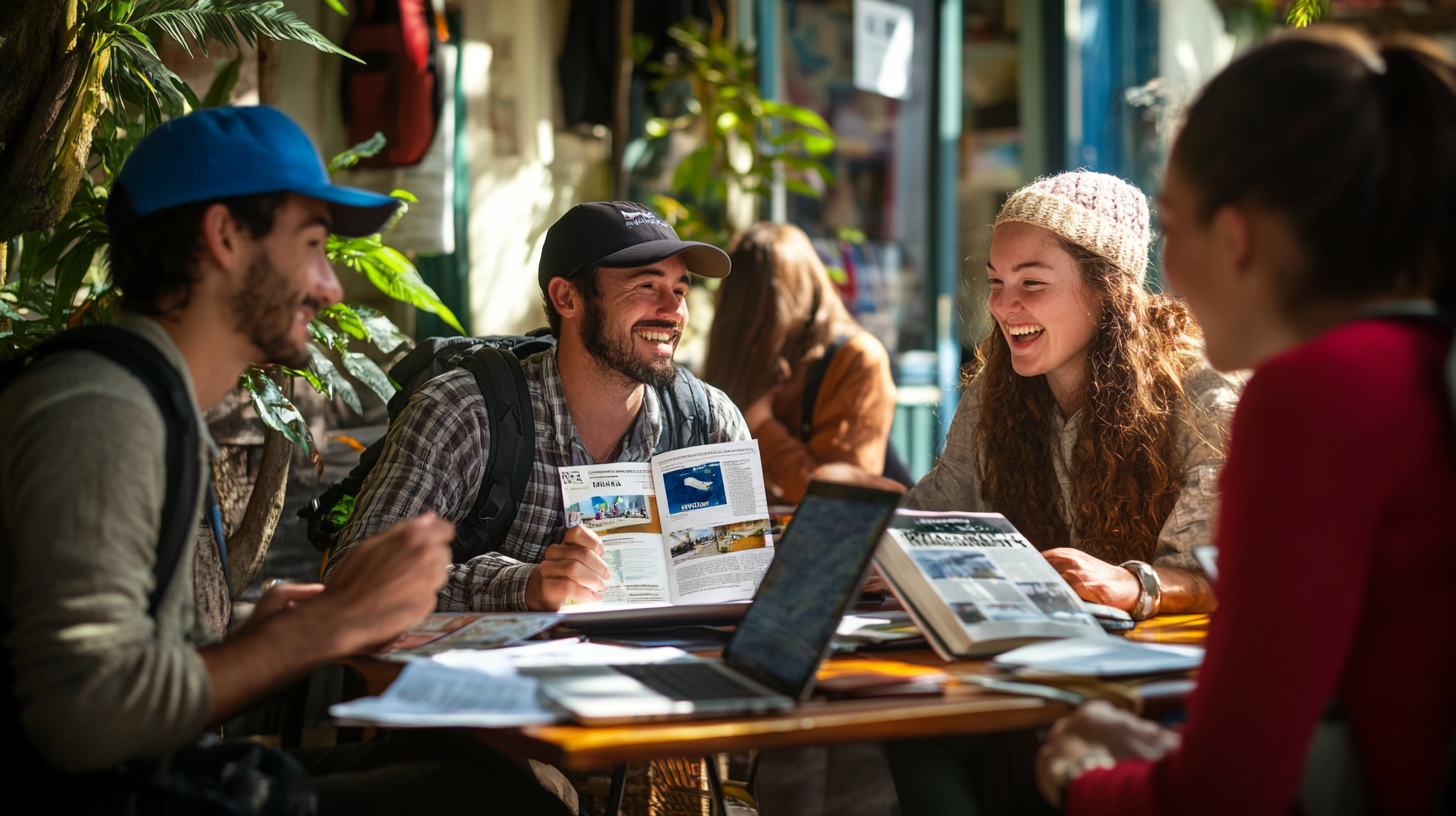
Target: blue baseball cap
225, 152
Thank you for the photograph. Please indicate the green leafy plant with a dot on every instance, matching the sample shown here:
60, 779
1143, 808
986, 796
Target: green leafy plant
1305, 12
56, 278
745, 139
71, 63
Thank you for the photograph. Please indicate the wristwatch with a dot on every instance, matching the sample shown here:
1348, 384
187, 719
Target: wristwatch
1150, 599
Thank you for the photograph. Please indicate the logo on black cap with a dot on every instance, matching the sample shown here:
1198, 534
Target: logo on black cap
636, 218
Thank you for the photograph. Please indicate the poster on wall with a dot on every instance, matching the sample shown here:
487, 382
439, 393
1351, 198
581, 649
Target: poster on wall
884, 40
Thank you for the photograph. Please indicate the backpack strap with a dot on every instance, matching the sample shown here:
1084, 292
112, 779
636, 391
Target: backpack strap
512, 452
184, 442
686, 413
147, 363
814, 380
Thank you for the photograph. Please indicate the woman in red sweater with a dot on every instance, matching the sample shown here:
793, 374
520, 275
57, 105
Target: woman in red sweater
1309, 197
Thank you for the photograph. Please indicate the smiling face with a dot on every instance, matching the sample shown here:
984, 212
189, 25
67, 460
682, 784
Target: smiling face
288, 281
633, 324
1042, 306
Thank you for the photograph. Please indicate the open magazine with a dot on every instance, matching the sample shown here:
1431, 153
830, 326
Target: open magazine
689, 527
975, 586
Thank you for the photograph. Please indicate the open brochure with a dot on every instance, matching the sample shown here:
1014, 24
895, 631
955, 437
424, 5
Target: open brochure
975, 586
689, 527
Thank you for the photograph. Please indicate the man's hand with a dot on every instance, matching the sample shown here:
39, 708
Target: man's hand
275, 599
1096, 580
572, 571
386, 584
1096, 735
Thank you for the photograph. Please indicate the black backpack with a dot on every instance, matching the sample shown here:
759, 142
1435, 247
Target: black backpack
895, 468
495, 363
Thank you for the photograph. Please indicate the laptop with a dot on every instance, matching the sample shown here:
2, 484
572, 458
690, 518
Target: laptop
770, 663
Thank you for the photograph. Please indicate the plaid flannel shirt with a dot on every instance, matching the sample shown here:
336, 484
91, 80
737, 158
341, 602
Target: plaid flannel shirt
434, 460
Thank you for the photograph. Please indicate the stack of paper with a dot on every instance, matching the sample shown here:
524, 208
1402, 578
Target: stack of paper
482, 688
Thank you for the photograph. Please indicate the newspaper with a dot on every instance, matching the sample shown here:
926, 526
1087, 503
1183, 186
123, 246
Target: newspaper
689, 527
975, 580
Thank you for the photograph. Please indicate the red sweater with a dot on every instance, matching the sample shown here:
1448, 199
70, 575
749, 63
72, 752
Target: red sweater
1337, 562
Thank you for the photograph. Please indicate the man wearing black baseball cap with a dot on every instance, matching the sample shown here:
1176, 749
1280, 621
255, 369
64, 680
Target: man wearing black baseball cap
218, 223
614, 278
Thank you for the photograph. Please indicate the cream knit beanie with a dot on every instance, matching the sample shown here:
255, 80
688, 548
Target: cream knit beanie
1095, 211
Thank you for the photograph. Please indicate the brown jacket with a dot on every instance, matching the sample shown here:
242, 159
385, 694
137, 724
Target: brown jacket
852, 418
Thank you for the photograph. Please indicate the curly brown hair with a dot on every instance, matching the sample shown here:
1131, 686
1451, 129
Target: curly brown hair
1126, 468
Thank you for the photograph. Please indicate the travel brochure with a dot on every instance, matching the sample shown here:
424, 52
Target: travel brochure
976, 586
689, 527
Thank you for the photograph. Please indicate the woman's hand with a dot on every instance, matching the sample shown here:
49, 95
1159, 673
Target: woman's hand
1096, 735
760, 411
1096, 580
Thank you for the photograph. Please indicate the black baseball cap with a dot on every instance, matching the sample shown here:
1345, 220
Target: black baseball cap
620, 235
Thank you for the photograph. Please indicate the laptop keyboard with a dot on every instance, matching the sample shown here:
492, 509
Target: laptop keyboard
688, 681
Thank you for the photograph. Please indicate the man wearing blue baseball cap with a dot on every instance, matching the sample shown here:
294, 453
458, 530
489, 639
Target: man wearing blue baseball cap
218, 223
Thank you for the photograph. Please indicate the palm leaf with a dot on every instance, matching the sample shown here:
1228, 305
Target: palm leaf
221, 89
1304, 12
231, 22
363, 150
140, 77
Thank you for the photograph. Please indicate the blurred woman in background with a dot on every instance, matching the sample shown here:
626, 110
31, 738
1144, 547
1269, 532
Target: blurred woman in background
813, 386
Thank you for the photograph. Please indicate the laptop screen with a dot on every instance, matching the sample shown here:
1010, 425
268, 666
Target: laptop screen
816, 573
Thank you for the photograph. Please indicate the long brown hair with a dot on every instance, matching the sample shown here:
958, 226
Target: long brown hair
777, 309
1126, 467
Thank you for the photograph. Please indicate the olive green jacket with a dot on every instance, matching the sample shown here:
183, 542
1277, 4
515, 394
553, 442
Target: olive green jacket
82, 482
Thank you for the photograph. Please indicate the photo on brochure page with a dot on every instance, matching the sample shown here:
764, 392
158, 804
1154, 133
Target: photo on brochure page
699, 542
694, 488
619, 514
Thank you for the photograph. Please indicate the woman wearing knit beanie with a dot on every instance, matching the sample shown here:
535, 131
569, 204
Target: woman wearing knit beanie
1092, 422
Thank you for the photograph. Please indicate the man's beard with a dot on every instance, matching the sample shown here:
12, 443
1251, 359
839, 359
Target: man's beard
264, 312
619, 354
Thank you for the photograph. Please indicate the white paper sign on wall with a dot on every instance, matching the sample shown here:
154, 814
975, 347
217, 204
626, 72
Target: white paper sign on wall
884, 39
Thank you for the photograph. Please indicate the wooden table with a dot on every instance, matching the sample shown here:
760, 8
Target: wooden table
965, 709
969, 710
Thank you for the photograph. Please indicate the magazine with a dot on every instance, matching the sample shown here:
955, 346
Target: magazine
975, 586
689, 527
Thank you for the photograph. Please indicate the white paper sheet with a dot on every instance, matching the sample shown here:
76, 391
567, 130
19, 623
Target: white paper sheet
1105, 656
481, 688
430, 694
564, 652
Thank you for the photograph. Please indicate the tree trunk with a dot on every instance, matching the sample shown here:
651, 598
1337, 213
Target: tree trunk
249, 545
270, 71
621, 99
45, 150
29, 30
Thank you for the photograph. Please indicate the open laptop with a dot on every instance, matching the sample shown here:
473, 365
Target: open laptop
770, 663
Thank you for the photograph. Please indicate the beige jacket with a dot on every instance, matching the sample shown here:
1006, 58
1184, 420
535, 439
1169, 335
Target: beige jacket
82, 484
955, 484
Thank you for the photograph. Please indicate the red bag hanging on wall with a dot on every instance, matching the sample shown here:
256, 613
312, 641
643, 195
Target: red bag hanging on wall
394, 91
